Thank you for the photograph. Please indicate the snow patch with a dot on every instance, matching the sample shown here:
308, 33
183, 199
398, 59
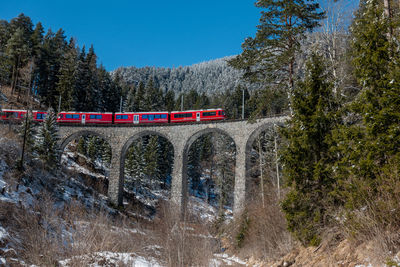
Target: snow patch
107, 258
225, 259
3, 233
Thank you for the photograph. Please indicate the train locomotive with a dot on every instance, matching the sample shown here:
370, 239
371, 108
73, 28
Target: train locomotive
119, 118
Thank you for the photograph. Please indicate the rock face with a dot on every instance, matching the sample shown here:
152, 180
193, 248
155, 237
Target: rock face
181, 136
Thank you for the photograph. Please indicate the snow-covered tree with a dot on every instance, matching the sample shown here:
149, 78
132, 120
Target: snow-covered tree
46, 140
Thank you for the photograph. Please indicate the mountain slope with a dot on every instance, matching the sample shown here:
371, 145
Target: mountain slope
209, 77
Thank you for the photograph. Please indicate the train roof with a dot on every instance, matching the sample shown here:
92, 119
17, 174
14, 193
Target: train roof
85, 112
146, 112
16, 110
210, 109
23, 110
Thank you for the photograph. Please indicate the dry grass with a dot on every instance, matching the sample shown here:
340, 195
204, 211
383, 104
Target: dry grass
47, 234
378, 222
185, 243
261, 231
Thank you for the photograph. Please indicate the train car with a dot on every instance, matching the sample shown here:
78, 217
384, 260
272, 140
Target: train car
12, 114
197, 115
141, 117
17, 115
85, 117
39, 116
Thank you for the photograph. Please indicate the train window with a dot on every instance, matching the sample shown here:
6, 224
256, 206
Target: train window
39, 116
163, 116
219, 113
98, 117
208, 114
157, 116
92, 117
144, 117
183, 115
61, 116
151, 117
68, 116
75, 116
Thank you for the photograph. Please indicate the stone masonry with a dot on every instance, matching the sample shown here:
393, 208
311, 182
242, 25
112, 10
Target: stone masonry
181, 136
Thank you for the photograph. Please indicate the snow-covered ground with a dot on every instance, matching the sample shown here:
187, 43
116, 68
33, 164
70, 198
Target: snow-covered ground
106, 258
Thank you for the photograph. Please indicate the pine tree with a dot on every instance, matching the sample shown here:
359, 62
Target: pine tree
371, 139
28, 129
135, 165
140, 98
224, 165
109, 92
92, 148
106, 153
81, 146
37, 40
165, 161
131, 104
82, 80
150, 157
270, 57
46, 140
48, 67
92, 93
305, 155
169, 101
152, 98
17, 51
25, 23
67, 76
193, 167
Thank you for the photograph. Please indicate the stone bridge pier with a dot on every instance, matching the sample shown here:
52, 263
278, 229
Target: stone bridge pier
181, 136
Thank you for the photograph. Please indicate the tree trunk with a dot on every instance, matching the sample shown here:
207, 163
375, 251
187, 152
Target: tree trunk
388, 15
291, 85
260, 154
277, 168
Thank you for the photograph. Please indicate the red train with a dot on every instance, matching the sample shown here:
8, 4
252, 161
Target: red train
17, 115
120, 118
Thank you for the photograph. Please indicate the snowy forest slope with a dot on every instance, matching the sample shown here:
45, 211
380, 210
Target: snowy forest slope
210, 77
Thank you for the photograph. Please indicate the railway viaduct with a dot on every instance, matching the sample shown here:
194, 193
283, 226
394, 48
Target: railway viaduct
181, 136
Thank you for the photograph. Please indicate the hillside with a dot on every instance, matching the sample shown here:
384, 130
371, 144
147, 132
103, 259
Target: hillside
210, 77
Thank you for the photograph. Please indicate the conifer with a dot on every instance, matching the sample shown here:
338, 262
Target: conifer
305, 155
46, 140
270, 57
67, 76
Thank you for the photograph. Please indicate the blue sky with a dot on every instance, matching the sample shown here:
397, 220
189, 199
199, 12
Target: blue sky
147, 33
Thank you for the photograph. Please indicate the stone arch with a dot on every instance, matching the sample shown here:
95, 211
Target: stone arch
124, 152
196, 135
185, 153
77, 134
248, 148
256, 133
133, 139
